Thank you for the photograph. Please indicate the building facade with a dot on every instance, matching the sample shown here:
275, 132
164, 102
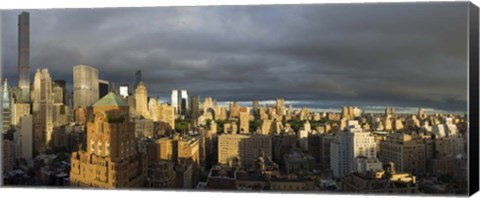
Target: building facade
111, 159
85, 86
24, 55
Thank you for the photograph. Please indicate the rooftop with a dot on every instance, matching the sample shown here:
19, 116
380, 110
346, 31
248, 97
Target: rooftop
111, 99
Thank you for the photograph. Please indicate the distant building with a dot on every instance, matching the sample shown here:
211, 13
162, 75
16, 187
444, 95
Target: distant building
138, 77
184, 105
407, 152
6, 106
8, 154
103, 88
24, 55
167, 115
19, 110
63, 85
144, 128
43, 110
244, 117
141, 99
234, 110
85, 86
195, 107
24, 137
174, 100
255, 105
242, 150
124, 90
57, 92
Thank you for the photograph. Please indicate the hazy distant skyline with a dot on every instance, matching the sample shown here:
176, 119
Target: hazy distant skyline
323, 55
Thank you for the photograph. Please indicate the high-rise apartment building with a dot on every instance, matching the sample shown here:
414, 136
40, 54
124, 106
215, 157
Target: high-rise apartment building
195, 107
243, 150
407, 152
234, 109
24, 138
184, 101
348, 146
255, 106
175, 100
57, 91
244, 118
141, 99
24, 55
19, 110
63, 85
111, 159
6, 106
167, 115
85, 86
280, 106
43, 110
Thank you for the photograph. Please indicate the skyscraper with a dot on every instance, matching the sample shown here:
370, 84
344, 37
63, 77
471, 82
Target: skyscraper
24, 54
43, 110
138, 77
85, 86
141, 105
175, 100
6, 107
63, 85
184, 95
103, 88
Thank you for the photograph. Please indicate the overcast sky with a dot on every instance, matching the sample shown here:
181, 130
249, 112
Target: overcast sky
404, 55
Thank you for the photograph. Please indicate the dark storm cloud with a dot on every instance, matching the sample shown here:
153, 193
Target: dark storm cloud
409, 54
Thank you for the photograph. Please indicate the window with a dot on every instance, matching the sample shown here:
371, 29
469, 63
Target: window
99, 147
107, 147
100, 127
92, 146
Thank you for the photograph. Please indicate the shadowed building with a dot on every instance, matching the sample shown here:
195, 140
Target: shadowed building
103, 88
195, 107
111, 159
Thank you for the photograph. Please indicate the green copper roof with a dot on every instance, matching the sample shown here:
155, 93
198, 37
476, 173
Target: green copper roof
111, 99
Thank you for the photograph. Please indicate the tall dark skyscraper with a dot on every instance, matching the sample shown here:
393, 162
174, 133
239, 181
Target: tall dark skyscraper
103, 88
138, 77
24, 54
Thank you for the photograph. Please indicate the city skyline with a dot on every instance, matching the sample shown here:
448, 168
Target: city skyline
239, 57
312, 98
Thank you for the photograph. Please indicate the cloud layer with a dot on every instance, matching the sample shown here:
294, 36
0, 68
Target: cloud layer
407, 54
